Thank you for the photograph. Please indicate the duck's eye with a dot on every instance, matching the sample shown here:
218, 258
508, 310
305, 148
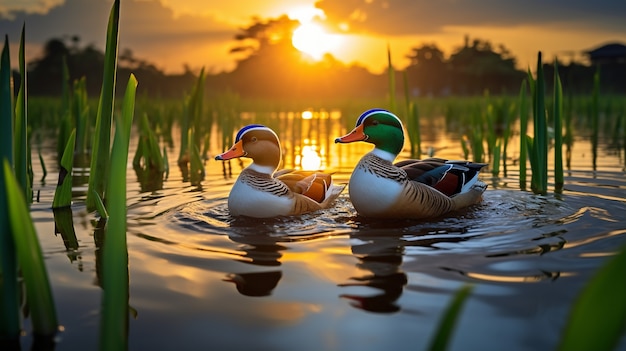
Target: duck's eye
375, 122
253, 139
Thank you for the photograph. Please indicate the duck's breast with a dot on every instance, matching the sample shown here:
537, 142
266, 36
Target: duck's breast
372, 194
247, 200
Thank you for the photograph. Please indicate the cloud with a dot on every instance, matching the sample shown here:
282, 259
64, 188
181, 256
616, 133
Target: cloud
8, 8
152, 32
404, 17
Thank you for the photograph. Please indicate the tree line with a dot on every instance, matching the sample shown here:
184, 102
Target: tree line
272, 68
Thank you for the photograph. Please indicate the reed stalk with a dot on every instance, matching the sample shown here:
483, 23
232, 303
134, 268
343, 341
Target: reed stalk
595, 116
22, 149
114, 314
523, 118
30, 258
598, 317
391, 76
9, 290
445, 328
65, 125
81, 115
63, 192
412, 121
538, 145
558, 131
102, 141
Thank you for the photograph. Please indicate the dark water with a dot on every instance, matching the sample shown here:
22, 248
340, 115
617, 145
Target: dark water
200, 279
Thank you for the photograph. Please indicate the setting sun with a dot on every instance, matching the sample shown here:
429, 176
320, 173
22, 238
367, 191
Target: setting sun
313, 40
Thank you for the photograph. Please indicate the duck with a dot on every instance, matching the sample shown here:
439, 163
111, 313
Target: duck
410, 189
261, 191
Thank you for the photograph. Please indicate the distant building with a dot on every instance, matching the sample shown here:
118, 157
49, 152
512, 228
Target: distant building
610, 59
608, 54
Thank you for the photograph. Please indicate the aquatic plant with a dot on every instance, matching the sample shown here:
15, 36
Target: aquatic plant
598, 317
523, 121
102, 141
22, 148
538, 144
10, 319
445, 328
391, 77
412, 121
557, 117
149, 163
63, 192
595, 116
30, 258
114, 314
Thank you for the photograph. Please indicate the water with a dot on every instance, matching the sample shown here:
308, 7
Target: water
200, 279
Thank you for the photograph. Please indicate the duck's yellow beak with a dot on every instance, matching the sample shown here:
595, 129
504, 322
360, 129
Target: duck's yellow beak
234, 152
357, 134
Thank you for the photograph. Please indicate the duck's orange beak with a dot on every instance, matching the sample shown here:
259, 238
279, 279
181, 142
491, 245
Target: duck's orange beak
357, 134
234, 152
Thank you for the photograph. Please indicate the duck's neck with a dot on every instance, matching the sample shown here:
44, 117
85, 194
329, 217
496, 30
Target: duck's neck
265, 169
385, 155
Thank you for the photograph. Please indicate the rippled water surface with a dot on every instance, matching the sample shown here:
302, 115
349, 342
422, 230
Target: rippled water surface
200, 279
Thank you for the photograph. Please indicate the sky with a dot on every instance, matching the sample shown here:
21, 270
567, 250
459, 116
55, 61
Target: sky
174, 34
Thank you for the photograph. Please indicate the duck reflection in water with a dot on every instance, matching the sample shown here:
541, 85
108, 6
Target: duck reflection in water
259, 250
382, 256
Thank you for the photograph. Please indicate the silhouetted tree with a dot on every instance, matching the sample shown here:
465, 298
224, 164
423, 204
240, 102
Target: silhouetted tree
428, 70
478, 67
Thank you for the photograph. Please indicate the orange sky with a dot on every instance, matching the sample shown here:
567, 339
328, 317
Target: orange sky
197, 33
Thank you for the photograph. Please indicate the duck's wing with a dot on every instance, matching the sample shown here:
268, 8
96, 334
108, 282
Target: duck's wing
449, 177
314, 185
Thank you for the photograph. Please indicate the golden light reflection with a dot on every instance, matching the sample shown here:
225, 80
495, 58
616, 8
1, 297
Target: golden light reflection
516, 279
307, 115
310, 159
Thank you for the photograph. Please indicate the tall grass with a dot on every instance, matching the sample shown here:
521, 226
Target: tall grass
22, 149
63, 193
445, 328
538, 145
557, 117
598, 317
114, 314
412, 121
595, 117
102, 141
9, 297
391, 77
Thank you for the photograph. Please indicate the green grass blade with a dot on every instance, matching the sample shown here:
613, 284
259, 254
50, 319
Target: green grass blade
523, 118
595, 116
104, 214
558, 131
66, 123
21, 127
391, 75
166, 164
9, 297
44, 170
63, 192
196, 167
445, 329
114, 325
64, 225
102, 141
598, 318
30, 258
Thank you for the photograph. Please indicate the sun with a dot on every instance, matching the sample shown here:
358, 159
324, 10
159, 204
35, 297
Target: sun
310, 37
